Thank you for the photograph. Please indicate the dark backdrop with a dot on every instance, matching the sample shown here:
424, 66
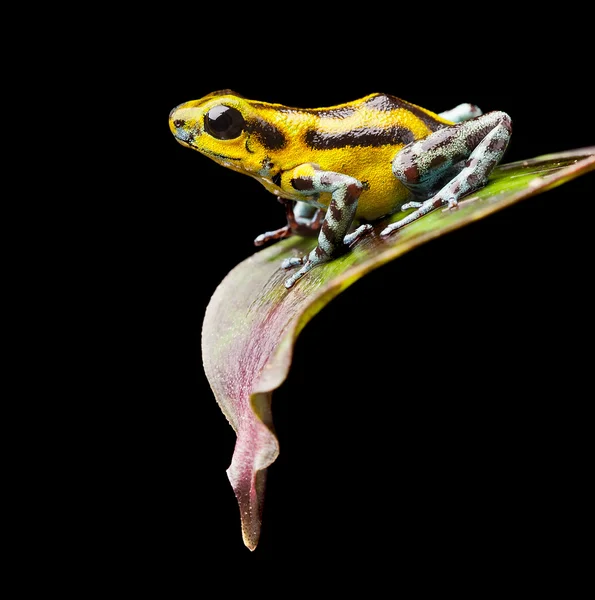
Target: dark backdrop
450, 447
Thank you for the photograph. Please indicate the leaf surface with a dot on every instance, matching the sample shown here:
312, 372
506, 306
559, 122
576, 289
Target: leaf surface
252, 320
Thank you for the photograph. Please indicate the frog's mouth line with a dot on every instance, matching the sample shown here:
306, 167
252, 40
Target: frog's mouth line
207, 152
217, 155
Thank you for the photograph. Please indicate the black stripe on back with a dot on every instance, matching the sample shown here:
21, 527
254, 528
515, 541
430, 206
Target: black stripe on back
386, 103
363, 136
340, 112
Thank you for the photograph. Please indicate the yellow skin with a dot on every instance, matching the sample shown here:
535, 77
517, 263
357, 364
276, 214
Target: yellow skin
359, 160
383, 194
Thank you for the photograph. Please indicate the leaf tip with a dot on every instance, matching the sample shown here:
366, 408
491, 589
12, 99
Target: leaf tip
249, 492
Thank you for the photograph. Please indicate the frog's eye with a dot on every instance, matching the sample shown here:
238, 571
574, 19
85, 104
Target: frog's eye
224, 122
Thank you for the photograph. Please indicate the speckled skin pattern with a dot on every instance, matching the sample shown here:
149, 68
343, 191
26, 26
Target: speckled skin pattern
361, 160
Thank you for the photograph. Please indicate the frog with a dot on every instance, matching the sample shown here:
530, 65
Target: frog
340, 169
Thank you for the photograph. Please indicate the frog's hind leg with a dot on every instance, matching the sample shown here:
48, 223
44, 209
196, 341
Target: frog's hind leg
302, 219
462, 112
471, 148
305, 219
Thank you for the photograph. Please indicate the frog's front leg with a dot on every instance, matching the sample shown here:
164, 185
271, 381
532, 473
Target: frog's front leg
308, 180
302, 219
420, 166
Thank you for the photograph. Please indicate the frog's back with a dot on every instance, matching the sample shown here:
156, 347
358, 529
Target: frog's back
391, 109
376, 111
361, 139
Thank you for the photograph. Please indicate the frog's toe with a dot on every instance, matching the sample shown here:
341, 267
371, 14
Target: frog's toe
361, 231
390, 229
288, 263
308, 264
411, 205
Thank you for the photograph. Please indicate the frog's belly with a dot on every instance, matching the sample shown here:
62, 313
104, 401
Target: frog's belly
383, 193
382, 197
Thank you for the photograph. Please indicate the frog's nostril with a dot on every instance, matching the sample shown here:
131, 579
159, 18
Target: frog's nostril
174, 117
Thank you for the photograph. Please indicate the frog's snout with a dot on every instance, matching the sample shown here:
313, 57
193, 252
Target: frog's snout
172, 118
180, 126
176, 122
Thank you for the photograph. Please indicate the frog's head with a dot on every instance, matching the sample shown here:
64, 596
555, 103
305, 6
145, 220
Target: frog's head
229, 129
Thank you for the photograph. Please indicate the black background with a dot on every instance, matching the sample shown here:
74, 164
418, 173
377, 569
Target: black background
446, 438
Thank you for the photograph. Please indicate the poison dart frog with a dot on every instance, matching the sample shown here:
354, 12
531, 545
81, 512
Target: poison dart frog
361, 160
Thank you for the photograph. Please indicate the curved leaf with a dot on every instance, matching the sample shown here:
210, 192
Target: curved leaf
252, 321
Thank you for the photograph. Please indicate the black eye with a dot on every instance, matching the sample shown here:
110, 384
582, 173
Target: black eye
179, 123
224, 122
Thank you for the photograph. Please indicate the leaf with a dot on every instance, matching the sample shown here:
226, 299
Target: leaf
252, 321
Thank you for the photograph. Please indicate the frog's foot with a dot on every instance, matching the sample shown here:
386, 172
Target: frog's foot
316, 257
423, 208
462, 112
361, 231
277, 234
308, 265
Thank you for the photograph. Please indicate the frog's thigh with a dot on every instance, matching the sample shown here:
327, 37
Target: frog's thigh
480, 142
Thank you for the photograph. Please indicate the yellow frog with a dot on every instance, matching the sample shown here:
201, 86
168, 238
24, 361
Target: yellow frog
360, 160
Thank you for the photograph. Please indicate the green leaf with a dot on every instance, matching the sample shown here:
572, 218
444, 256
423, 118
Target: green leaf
252, 321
